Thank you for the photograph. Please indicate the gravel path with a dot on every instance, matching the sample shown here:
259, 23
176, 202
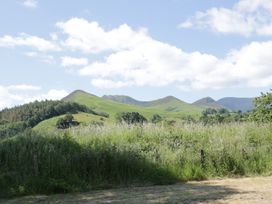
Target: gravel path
236, 190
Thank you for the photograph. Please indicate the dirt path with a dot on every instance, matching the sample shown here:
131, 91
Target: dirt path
242, 190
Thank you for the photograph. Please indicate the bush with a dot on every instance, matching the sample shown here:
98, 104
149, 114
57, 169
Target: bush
156, 118
131, 118
66, 122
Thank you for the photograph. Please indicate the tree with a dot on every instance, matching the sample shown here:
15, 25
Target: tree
131, 118
66, 122
263, 107
156, 118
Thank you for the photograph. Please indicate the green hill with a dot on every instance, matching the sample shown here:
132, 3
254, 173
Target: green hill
235, 104
83, 118
169, 107
208, 102
167, 104
125, 99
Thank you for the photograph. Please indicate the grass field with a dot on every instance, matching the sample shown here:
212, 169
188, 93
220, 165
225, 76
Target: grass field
92, 157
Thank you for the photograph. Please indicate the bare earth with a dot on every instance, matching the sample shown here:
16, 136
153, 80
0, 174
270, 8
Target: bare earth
236, 190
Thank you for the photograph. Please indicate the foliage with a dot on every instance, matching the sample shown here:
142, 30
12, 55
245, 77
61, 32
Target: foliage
15, 120
66, 122
156, 118
263, 108
131, 118
216, 116
10, 129
94, 157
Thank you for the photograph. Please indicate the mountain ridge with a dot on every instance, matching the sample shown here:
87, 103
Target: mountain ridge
174, 104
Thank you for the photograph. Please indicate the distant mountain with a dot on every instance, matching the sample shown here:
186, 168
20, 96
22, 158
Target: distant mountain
169, 107
125, 99
208, 102
235, 104
168, 103
113, 104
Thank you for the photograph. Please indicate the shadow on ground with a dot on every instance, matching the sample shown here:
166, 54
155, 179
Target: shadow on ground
178, 193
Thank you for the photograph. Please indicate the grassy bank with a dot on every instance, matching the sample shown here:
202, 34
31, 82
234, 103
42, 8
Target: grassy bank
98, 157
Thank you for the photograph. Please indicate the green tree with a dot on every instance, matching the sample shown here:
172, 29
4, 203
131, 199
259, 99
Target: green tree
263, 107
156, 118
66, 122
131, 118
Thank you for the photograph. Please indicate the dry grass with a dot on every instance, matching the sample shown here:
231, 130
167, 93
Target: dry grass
235, 190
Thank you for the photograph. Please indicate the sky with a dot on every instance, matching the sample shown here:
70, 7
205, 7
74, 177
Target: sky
145, 49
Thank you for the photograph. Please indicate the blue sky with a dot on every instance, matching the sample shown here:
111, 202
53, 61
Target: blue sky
145, 49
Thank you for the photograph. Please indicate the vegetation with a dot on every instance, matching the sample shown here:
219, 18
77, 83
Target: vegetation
113, 155
15, 120
156, 118
66, 122
168, 107
95, 152
130, 118
215, 116
263, 108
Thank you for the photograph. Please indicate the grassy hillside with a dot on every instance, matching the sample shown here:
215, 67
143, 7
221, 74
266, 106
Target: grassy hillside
235, 104
168, 107
167, 104
82, 118
208, 102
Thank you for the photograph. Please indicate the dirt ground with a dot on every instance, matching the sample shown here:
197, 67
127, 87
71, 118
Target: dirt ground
236, 190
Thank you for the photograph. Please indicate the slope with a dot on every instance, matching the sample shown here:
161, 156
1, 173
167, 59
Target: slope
208, 102
169, 107
235, 104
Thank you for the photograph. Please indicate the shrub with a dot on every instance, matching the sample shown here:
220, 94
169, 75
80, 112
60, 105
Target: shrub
131, 118
66, 122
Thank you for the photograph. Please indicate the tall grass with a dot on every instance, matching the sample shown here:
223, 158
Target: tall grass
95, 157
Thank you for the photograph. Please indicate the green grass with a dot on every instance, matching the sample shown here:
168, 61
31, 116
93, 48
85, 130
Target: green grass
82, 118
89, 157
173, 109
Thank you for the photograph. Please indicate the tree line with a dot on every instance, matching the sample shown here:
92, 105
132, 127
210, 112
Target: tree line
17, 119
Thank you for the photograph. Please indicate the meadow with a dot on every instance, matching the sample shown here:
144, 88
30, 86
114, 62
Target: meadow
114, 155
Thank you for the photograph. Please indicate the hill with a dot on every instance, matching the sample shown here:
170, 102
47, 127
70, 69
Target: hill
168, 103
235, 104
208, 102
125, 99
169, 107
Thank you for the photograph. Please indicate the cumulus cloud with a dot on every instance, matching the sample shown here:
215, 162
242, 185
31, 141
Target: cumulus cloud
109, 84
19, 94
30, 3
72, 61
29, 41
131, 57
52, 94
90, 37
153, 63
246, 17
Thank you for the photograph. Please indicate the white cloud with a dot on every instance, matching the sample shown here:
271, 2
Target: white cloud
109, 84
91, 38
30, 3
31, 54
30, 41
154, 63
246, 17
133, 58
23, 87
72, 61
19, 94
49, 59
52, 94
